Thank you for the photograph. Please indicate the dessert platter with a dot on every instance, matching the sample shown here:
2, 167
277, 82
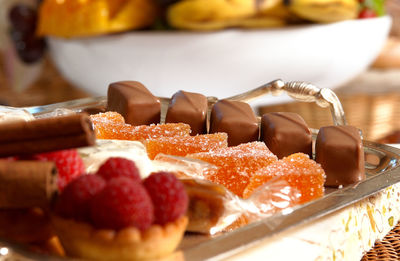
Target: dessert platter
243, 185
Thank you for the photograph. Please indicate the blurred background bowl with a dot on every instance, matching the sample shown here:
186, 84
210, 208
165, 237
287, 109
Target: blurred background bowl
223, 63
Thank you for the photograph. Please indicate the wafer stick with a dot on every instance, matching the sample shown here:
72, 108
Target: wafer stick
47, 134
26, 184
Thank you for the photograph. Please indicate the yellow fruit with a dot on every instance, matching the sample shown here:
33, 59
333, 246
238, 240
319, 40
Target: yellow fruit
208, 14
265, 6
76, 18
220, 14
279, 9
261, 22
325, 11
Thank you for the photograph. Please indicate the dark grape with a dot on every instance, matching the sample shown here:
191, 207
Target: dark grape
23, 18
29, 47
33, 51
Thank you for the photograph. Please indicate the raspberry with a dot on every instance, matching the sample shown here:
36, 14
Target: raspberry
168, 195
367, 13
74, 200
119, 167
68, 162
122, 203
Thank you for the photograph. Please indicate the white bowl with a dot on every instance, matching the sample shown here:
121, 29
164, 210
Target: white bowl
223, 63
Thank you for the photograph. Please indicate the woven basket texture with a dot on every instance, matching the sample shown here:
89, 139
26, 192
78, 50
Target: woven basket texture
376, 115
388, 249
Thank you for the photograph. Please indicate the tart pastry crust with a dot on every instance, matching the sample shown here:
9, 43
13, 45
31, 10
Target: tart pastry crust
85, 241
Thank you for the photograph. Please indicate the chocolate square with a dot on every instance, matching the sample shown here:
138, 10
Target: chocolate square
286, 133
189, 108
340, 152
134, 102
235, 118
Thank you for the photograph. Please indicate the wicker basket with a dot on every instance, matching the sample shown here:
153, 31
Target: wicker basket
387, 249
376, 115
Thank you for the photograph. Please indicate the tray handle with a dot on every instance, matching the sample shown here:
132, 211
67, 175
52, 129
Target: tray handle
299, 91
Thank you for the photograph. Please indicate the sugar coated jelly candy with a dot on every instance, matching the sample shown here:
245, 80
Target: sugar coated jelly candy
183, 145
298, 170
235, 165
108, 117
110, 125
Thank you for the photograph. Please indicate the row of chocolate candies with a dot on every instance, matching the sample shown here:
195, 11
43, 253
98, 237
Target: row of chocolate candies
284, 133
235, 118
139, 106
338, 148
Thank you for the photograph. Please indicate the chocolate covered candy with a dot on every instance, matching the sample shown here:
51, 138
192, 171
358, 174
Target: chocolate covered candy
189, 108
340, 152
235, 118
286, 133
134, 102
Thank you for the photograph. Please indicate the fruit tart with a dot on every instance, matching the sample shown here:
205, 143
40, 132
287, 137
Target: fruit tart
114, 215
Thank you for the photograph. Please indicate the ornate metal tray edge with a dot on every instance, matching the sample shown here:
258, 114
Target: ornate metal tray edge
380, 176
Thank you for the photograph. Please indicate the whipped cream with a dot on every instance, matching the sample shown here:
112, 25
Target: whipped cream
96, 155
93, 157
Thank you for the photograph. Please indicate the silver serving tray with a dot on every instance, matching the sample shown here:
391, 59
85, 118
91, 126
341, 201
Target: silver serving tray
383, 172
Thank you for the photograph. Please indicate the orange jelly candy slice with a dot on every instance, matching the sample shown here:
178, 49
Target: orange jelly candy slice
236, 165
111, 125
183, 145
108, 117
298, 170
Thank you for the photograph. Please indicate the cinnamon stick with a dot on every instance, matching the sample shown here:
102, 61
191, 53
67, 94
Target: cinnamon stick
26, 184
46, 134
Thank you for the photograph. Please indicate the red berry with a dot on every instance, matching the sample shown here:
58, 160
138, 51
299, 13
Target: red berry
122, 203
74, 200
119, 167
367, 13
169, 196
68, 162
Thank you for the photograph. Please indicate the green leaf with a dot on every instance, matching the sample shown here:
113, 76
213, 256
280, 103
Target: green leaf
377, 5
